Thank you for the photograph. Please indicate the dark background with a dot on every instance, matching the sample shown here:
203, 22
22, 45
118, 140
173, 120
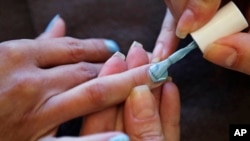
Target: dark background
212, 97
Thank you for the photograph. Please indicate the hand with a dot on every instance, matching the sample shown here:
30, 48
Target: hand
34, 71
159, 126
230, 52
192, 14
182, 17
233, 51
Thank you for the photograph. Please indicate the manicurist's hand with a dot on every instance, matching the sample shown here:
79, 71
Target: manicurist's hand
189, 15
182, 18
147, 114
233, 51
192, 14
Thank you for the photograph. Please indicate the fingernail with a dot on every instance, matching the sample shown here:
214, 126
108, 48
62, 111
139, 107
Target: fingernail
112, 46
120, 55
120, 137
221, 55
143, 104
136, 44
52, 23
185, 24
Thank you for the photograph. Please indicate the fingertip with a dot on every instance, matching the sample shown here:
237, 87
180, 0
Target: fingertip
142, 103
115, 64
55, 28
171, 98
137, 56
196, 14
185, 24
169, 87
119, 55
52, 23
112, 46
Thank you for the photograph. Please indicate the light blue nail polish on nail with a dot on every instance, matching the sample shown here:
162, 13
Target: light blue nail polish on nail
112, 46
52, 22
121, 137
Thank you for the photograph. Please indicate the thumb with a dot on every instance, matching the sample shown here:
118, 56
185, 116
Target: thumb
112, 136
142, 120
231, 52
195, 15
55, 28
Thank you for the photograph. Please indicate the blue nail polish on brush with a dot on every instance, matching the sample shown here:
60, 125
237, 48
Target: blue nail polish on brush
52, 22
112, 46
121, 137
159, 71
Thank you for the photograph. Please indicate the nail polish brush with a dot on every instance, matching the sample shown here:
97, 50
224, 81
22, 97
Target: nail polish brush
228, 20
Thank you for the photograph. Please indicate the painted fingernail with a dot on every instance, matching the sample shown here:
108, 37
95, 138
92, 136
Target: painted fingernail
52, 23
121, 137
136, 44
221, 54
143, 104
120, 55
112, 46
185, 24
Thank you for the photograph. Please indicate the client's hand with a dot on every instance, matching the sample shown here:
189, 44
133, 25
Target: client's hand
34, 73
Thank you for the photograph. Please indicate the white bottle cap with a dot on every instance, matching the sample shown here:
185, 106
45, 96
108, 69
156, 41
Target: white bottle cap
228, 20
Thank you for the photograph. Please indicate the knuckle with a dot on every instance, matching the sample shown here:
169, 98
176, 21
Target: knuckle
26, 84
87, 70
96, 95
14, 50
83, 72
75, 50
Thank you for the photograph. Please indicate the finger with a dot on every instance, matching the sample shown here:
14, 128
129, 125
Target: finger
170, 112
167, 40
176, 7
196, 14
112, 136
137, 56
142, 121
56, 28
62, 78
115, 64
94, 95
58, 51
231, 52
92, 123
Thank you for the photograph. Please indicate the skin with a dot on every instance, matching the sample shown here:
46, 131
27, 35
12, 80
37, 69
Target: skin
231, 52
37, 99
165, 104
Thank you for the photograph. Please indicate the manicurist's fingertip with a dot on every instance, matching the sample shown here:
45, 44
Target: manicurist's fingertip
186, 24
120, 55
142, 103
